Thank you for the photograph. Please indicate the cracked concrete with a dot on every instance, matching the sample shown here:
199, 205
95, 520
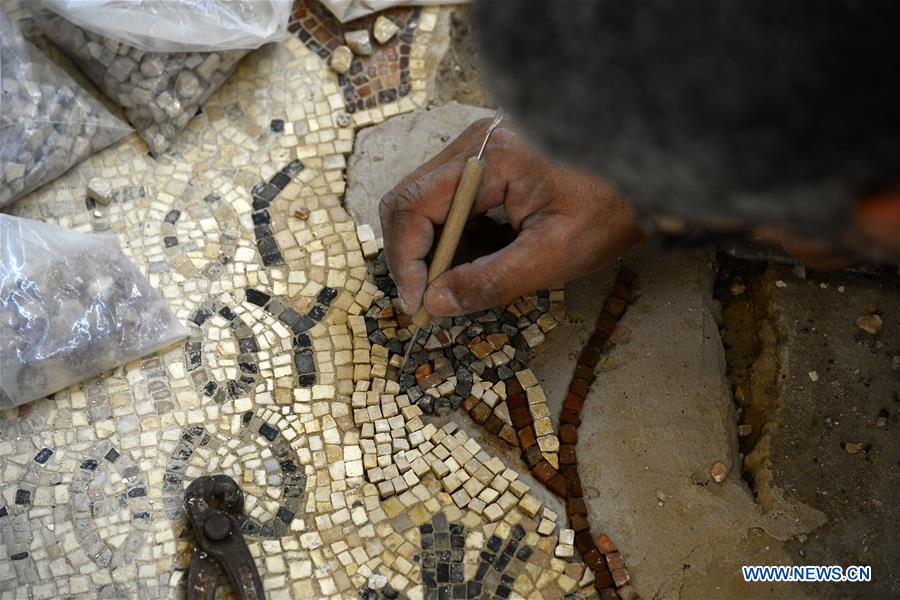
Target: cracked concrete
805, 452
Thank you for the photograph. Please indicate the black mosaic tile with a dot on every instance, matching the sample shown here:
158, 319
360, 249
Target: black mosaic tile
285, 515
23, 496
43, 456
201, 316
267, 431
256, 297
326, 295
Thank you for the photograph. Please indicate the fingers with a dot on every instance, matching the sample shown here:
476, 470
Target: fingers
410, 211
408, 214
494, 280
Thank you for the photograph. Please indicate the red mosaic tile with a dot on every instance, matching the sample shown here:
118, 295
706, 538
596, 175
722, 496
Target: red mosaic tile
621, 577
568, 434
614, 561
605, 544
527, 437
573, 402
557, 485
543, 471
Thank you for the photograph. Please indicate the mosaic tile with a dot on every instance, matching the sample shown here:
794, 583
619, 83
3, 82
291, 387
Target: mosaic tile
380, 77
290, 381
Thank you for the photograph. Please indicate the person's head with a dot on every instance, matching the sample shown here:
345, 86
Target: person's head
741, 115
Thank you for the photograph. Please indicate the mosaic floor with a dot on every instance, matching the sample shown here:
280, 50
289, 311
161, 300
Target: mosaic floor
290, 381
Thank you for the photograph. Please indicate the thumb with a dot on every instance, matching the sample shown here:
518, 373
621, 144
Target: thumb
492, 280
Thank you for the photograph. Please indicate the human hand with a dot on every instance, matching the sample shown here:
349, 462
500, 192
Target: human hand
569, 224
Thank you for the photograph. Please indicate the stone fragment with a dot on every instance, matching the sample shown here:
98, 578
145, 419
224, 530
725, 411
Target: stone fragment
853, 447
99, 190
358, 40
719, 472
384, 29
341, 59
870, 323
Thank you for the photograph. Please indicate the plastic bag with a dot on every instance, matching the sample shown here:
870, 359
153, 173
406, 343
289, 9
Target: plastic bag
180, 25
347, 10
160, 91
71, 307
47, 121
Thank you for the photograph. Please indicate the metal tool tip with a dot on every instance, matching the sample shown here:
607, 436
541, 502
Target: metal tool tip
498, 116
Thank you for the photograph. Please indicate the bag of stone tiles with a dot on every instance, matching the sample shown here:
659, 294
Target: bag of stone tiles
47, 121
161, 59
72, 306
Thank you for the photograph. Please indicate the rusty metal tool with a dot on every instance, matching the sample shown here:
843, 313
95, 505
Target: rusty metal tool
460, 209
213, 503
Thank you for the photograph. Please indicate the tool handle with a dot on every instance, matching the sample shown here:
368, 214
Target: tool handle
456, 220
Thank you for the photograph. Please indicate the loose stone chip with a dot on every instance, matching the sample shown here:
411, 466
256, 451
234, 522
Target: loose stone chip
719, 472
100, 191
870, 324
341, 59
384, 29
359, 41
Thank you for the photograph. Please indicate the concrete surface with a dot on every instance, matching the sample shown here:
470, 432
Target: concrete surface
809, 428
386, 153
658, 415
459, 75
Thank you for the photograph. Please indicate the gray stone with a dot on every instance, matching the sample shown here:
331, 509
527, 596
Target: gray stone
359, 41
386, 153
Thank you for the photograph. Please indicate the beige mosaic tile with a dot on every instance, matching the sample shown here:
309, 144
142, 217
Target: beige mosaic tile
283, 384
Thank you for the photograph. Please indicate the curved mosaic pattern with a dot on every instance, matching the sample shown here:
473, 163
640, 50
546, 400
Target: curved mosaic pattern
291, 382
200, 238
272, 479
235, 371
110, 527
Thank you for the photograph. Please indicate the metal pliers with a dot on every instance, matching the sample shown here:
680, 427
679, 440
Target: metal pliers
212, 503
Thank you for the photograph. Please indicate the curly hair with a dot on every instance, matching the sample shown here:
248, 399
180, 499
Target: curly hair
751, 112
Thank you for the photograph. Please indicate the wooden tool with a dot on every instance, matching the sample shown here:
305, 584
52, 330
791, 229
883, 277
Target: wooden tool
460, 209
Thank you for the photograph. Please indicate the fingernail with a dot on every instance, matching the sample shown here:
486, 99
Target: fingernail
442, 302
